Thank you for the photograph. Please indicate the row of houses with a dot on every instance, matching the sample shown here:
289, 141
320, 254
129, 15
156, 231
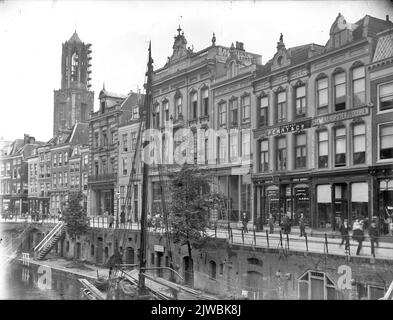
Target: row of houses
310, 131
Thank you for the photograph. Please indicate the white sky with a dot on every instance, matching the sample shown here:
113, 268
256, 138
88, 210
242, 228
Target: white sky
32, 33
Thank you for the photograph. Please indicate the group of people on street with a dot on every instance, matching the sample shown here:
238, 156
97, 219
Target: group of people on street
358, 234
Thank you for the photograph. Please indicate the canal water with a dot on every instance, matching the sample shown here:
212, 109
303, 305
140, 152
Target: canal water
31, 282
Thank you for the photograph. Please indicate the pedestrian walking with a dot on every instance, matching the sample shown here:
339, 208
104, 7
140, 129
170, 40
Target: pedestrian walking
358, 234
344, 230
245, 222
286, 225
374, 237
111, 220
271, 224
302, 224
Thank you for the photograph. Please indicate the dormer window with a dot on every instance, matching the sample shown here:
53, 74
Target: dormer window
103, 106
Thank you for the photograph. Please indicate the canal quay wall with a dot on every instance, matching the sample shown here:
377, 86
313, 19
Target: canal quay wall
232, 270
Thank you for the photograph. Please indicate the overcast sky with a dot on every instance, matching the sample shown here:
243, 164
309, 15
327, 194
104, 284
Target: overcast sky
32, 33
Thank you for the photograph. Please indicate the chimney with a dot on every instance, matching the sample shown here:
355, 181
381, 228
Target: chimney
387, 18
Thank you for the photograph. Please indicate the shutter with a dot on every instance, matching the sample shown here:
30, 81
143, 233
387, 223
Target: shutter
359, 192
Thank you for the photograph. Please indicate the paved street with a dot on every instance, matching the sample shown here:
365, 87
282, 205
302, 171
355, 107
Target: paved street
315, 244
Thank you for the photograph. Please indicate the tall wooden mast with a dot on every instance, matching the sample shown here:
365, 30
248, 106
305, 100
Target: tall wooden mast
147, 114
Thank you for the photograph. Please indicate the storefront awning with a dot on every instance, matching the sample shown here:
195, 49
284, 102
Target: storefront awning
324, 193
359, 192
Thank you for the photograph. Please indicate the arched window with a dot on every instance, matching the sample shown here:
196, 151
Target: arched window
359, 86
178, 105
74, 66
359, 143
212, 269
194, 105
340, 91
205, 101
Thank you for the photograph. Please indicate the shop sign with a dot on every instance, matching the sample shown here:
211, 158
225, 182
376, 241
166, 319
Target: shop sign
291, 127
240, 55
340, 116
158, 248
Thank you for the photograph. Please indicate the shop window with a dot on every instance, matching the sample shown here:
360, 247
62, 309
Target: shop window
263, 110
324, 202
301, 203
359, 196
323, 149
222, 110
246, 108
233, 105
301, 150
359, 86
322, 95
386, 141
281, 153
316, 285
339, 91
212, 269
205, 102
281, 107
340, 147
359, 143
385, 97
194, 105
301, 101
264, 156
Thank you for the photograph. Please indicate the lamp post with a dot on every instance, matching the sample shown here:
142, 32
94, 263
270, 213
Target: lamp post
118, 208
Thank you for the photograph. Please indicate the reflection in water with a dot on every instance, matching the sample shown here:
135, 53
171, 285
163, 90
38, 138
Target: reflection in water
20, 282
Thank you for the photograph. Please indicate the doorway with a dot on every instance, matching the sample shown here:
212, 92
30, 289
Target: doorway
99, 251
188, 271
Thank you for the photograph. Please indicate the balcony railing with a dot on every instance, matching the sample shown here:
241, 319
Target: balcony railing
103, 177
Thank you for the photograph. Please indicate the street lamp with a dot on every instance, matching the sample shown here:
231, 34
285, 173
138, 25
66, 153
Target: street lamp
118, 208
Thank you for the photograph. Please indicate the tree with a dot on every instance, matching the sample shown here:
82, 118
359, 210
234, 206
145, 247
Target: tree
75, 216
190, 205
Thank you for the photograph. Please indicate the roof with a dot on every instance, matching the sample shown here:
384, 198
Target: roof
74, 38
384, 48
133, 99
79, 134
106, 94
372, 25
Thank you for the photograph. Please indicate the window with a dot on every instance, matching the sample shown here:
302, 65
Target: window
340, 147
222, 110
133, 140
104, 138
205, 102
281, 107
263, 111
74, 66
212, 269
323, 149
233, 146
222, 149
194, 105
54, 180
165, 107
77, 181
316, 285
300, 151
157, 116
359, 143
301, 101
96, 139
85, 159
55, 160
72, 181
113, 133
233, 105
359, 86
178, 106
96, 168
264, 156
281, 155
60, 159
246, 144
125, 142
386, 141
65, 179
65, 157
385, 96
124, 166
135, 113
339, 91
322, 95
60, 179
245, 104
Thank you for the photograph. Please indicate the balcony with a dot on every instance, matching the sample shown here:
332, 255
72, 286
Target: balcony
105, 177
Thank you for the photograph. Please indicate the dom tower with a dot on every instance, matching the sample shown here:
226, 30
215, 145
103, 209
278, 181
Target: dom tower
74, 101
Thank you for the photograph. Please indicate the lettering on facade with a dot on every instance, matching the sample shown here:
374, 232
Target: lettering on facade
292, 127
345, 280
240, 55
340, 116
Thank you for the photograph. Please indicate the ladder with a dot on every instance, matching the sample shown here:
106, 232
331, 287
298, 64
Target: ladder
49, 241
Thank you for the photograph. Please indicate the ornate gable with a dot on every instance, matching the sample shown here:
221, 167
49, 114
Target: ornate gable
282, 57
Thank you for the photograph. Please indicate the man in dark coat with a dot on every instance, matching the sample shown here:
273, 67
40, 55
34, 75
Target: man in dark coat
374, 234
122, 217
358, 234
245, 222
344, 230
